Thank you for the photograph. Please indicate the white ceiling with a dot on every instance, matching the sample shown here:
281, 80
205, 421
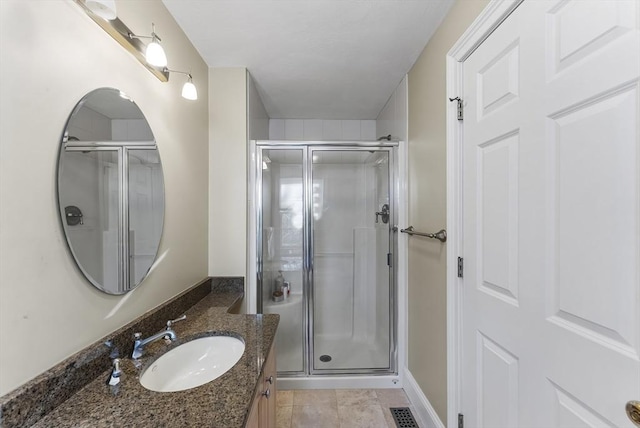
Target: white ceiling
313, 59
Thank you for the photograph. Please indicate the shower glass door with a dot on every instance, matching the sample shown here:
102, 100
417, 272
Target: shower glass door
324, 229
351, 234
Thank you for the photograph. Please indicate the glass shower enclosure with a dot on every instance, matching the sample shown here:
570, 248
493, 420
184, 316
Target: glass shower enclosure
325, 255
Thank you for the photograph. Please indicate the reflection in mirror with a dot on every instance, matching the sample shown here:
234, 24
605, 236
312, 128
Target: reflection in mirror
90, 182
146, 208
111, 191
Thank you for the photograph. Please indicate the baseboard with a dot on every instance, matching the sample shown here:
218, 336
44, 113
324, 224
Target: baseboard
426, 414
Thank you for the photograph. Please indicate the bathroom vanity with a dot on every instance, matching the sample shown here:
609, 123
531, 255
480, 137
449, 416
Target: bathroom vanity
243, 396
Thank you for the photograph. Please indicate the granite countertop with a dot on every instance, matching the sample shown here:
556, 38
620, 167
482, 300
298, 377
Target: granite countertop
223, 402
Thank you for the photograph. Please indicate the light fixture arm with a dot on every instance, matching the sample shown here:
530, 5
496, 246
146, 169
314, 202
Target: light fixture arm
167, 70
135, 36
152, 36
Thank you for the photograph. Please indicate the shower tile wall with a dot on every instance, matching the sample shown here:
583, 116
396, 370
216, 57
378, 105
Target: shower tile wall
322, 130
89, 125
130, 129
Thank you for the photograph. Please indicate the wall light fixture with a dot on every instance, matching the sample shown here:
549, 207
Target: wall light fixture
154, 53
152, 56
189, 90
120, 33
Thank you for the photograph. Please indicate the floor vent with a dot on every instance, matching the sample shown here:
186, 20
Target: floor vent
403, 417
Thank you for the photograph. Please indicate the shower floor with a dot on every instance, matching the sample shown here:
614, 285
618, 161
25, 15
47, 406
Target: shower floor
348, 353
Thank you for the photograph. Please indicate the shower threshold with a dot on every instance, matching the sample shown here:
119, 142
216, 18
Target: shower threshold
382, 381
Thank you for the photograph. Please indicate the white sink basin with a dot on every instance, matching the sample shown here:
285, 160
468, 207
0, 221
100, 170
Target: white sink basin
193, 363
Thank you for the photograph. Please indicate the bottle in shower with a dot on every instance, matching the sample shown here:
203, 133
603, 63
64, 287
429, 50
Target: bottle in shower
278, 283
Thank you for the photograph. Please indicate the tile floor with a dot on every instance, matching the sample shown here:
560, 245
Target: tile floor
339, 408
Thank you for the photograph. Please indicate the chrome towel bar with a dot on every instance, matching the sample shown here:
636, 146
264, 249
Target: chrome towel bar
440, 235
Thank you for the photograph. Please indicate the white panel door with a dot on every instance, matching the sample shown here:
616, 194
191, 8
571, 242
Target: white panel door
551, 227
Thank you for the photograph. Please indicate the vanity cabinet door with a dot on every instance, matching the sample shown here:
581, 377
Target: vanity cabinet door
270, 382
263, 409
254, 414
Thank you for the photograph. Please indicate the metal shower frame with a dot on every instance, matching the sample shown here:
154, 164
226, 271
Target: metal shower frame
307, 147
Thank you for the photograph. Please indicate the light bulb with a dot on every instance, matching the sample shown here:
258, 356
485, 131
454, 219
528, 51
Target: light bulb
105, 9
155, 54
189, 90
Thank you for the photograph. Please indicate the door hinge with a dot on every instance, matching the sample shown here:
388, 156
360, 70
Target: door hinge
459, 106
389, 260
460, 267
460, 420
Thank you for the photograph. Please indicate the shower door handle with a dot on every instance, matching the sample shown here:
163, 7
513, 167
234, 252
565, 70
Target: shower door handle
384, 214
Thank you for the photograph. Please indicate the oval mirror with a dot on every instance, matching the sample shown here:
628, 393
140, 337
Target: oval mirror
110, 190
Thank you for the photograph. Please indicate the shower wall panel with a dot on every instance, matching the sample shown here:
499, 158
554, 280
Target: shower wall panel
343, 246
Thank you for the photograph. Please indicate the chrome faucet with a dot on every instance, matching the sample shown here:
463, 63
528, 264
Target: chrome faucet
168, 333
139, 344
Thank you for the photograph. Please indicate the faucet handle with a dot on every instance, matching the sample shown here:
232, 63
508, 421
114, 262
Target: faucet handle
114, 378
137, 336
180, 318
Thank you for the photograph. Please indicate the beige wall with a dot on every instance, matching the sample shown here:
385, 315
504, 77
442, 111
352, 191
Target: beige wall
427, 206
228, 171
52, 54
